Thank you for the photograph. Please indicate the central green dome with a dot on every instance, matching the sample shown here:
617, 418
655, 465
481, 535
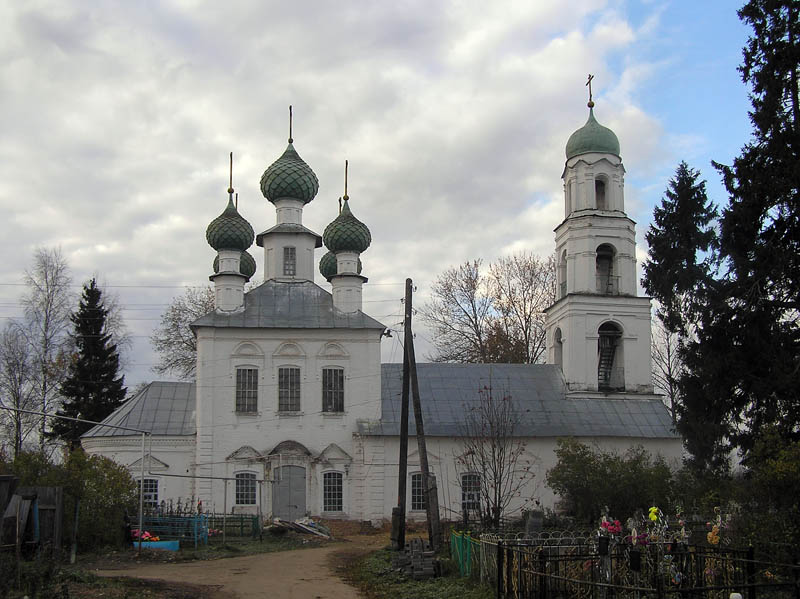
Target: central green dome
289, 177
229, 231
592, 137
346, 233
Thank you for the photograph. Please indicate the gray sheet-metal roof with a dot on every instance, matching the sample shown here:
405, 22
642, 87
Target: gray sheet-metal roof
447, 390
289, 305
162, 408
292, 228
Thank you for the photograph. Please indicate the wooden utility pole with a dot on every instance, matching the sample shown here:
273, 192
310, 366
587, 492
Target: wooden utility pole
399, 513
429, 482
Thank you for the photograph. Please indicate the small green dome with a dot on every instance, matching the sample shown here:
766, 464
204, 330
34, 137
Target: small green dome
327, 266
289, 177
229, 231
346, 233
247, 265
592, 137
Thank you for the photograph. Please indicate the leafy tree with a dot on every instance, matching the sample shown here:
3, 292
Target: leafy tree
680, 238
591, 481
173, 339
494, 314
491, 450
47, 312
103, 488
93, 388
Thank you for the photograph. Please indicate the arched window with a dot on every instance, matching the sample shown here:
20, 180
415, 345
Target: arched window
558, 348
610, 370
607, 279
600, 194
562, 275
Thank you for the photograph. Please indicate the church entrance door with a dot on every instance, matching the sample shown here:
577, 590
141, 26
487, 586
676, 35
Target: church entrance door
289, 493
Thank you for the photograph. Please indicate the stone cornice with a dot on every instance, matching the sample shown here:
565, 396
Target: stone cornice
136, 442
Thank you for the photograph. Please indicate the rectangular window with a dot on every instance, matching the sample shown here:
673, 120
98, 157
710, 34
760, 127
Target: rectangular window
246, 390
289, 262
245, 488
150, 493
417, 493
470, 493
288, 389
332, 492
332, 390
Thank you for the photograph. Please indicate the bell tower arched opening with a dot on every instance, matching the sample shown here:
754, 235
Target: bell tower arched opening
610, 358
558, 349
562, 275
605, 271
600, 201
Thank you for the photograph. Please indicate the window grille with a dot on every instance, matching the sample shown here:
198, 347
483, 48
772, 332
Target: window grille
289, 262
245, 488
332, 494
417, 493
246, 390
150, 492
332, 390
288, 389
470, 492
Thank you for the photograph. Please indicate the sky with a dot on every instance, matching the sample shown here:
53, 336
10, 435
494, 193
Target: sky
117, 119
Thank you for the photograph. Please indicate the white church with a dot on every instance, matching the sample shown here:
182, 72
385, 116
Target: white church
293, 414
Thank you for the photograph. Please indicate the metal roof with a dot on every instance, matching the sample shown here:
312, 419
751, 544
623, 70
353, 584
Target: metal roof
163, 408
447, 390
292, 228
289, 305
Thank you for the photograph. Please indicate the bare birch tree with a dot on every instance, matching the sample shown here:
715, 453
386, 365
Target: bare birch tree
16, 385
494, 314
523, 285
667, 366
460, 314
173, 339
493, 456
47, 310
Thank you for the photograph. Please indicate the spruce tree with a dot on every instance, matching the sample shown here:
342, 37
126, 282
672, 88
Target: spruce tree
93, 388
680, 238
759, 299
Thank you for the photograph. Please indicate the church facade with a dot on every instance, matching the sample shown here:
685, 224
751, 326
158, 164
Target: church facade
293, 414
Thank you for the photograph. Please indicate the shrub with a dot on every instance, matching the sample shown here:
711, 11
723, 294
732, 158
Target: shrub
589, 481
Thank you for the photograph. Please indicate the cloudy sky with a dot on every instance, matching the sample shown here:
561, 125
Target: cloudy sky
118, 117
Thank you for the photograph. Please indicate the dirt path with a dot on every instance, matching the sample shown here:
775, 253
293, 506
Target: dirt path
298, 574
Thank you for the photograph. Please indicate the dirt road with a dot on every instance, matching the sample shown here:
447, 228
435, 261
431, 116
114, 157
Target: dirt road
299, 574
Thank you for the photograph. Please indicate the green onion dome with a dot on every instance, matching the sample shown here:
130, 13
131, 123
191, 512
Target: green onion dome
346, 233
229, 231
247, 265
592, 137
327, 266
289, 177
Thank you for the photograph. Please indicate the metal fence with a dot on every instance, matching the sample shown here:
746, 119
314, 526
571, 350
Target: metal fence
555, 565
192, 528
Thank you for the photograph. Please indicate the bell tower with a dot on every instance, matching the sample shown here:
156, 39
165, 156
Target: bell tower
598, 329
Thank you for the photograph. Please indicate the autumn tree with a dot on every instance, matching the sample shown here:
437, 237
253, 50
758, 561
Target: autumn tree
496, 469
93, 388
494, 314
173, 339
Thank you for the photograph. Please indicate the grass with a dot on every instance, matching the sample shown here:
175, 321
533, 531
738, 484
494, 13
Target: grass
374, 575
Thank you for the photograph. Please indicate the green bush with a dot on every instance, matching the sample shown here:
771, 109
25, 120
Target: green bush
589, 481
103, 488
